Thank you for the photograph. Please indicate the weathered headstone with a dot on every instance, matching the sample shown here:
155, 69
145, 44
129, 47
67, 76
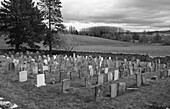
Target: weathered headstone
106, 77
116, 75
110, 76
40, 80
22, 76
161, 73
138, 79
121, 88
91, 72
131, 70
98, 92
100, 79
113, 90
45, 68
65, 85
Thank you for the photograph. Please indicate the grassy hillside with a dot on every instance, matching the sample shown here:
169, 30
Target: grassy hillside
89, 43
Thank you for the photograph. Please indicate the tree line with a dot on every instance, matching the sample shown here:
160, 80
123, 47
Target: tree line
116, 33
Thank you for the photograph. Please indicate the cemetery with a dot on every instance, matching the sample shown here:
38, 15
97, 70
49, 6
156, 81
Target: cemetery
33, 80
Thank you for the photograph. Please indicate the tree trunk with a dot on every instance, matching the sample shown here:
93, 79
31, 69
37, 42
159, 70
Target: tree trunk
17, 47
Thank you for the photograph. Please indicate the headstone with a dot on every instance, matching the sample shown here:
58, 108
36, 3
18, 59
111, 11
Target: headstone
114, 90
138, 79
87, 82
35, 68
106, 70
121, 88
110, 76
40, 80
131, 70
106, 77
91, 72
161, 73
100, 79
65, 84
116, 75
45, 68
98, 92
168, 72
22, 76
90, 66
143, 79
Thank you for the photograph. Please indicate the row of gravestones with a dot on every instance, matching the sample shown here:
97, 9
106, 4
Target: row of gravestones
117, 89
45, 67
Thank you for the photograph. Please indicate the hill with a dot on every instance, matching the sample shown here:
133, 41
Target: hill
89, 43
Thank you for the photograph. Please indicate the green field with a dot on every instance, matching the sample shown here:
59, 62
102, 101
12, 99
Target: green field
87, 43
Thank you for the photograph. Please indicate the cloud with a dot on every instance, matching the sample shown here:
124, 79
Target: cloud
126, 13
135, 15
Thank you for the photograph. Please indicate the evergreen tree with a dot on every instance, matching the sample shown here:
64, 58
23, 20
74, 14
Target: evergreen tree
53, 19
22, 22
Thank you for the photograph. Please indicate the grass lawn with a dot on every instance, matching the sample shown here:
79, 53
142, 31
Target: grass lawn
154, 95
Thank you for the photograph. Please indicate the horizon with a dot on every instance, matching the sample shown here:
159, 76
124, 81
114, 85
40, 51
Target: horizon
133, 15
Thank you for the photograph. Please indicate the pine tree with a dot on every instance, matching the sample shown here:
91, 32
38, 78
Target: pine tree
53, 19
22, 22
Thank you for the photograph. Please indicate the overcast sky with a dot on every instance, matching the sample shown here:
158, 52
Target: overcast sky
135, 15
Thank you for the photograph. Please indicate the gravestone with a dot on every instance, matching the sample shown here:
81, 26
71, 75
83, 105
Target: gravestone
40, 80
168, 72
91, 72
116, 75
98, 92
106, 70
45, 68
22, 76
131, 70
143, 79
121, 88
138, 79
11, 67
65, 85
113, 90
110, 76
100, 79
87, 81
161, 73
106, 77
35, 68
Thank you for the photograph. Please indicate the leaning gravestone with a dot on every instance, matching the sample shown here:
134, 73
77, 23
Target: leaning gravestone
22, 76
65, 85
114, 90
40, 80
